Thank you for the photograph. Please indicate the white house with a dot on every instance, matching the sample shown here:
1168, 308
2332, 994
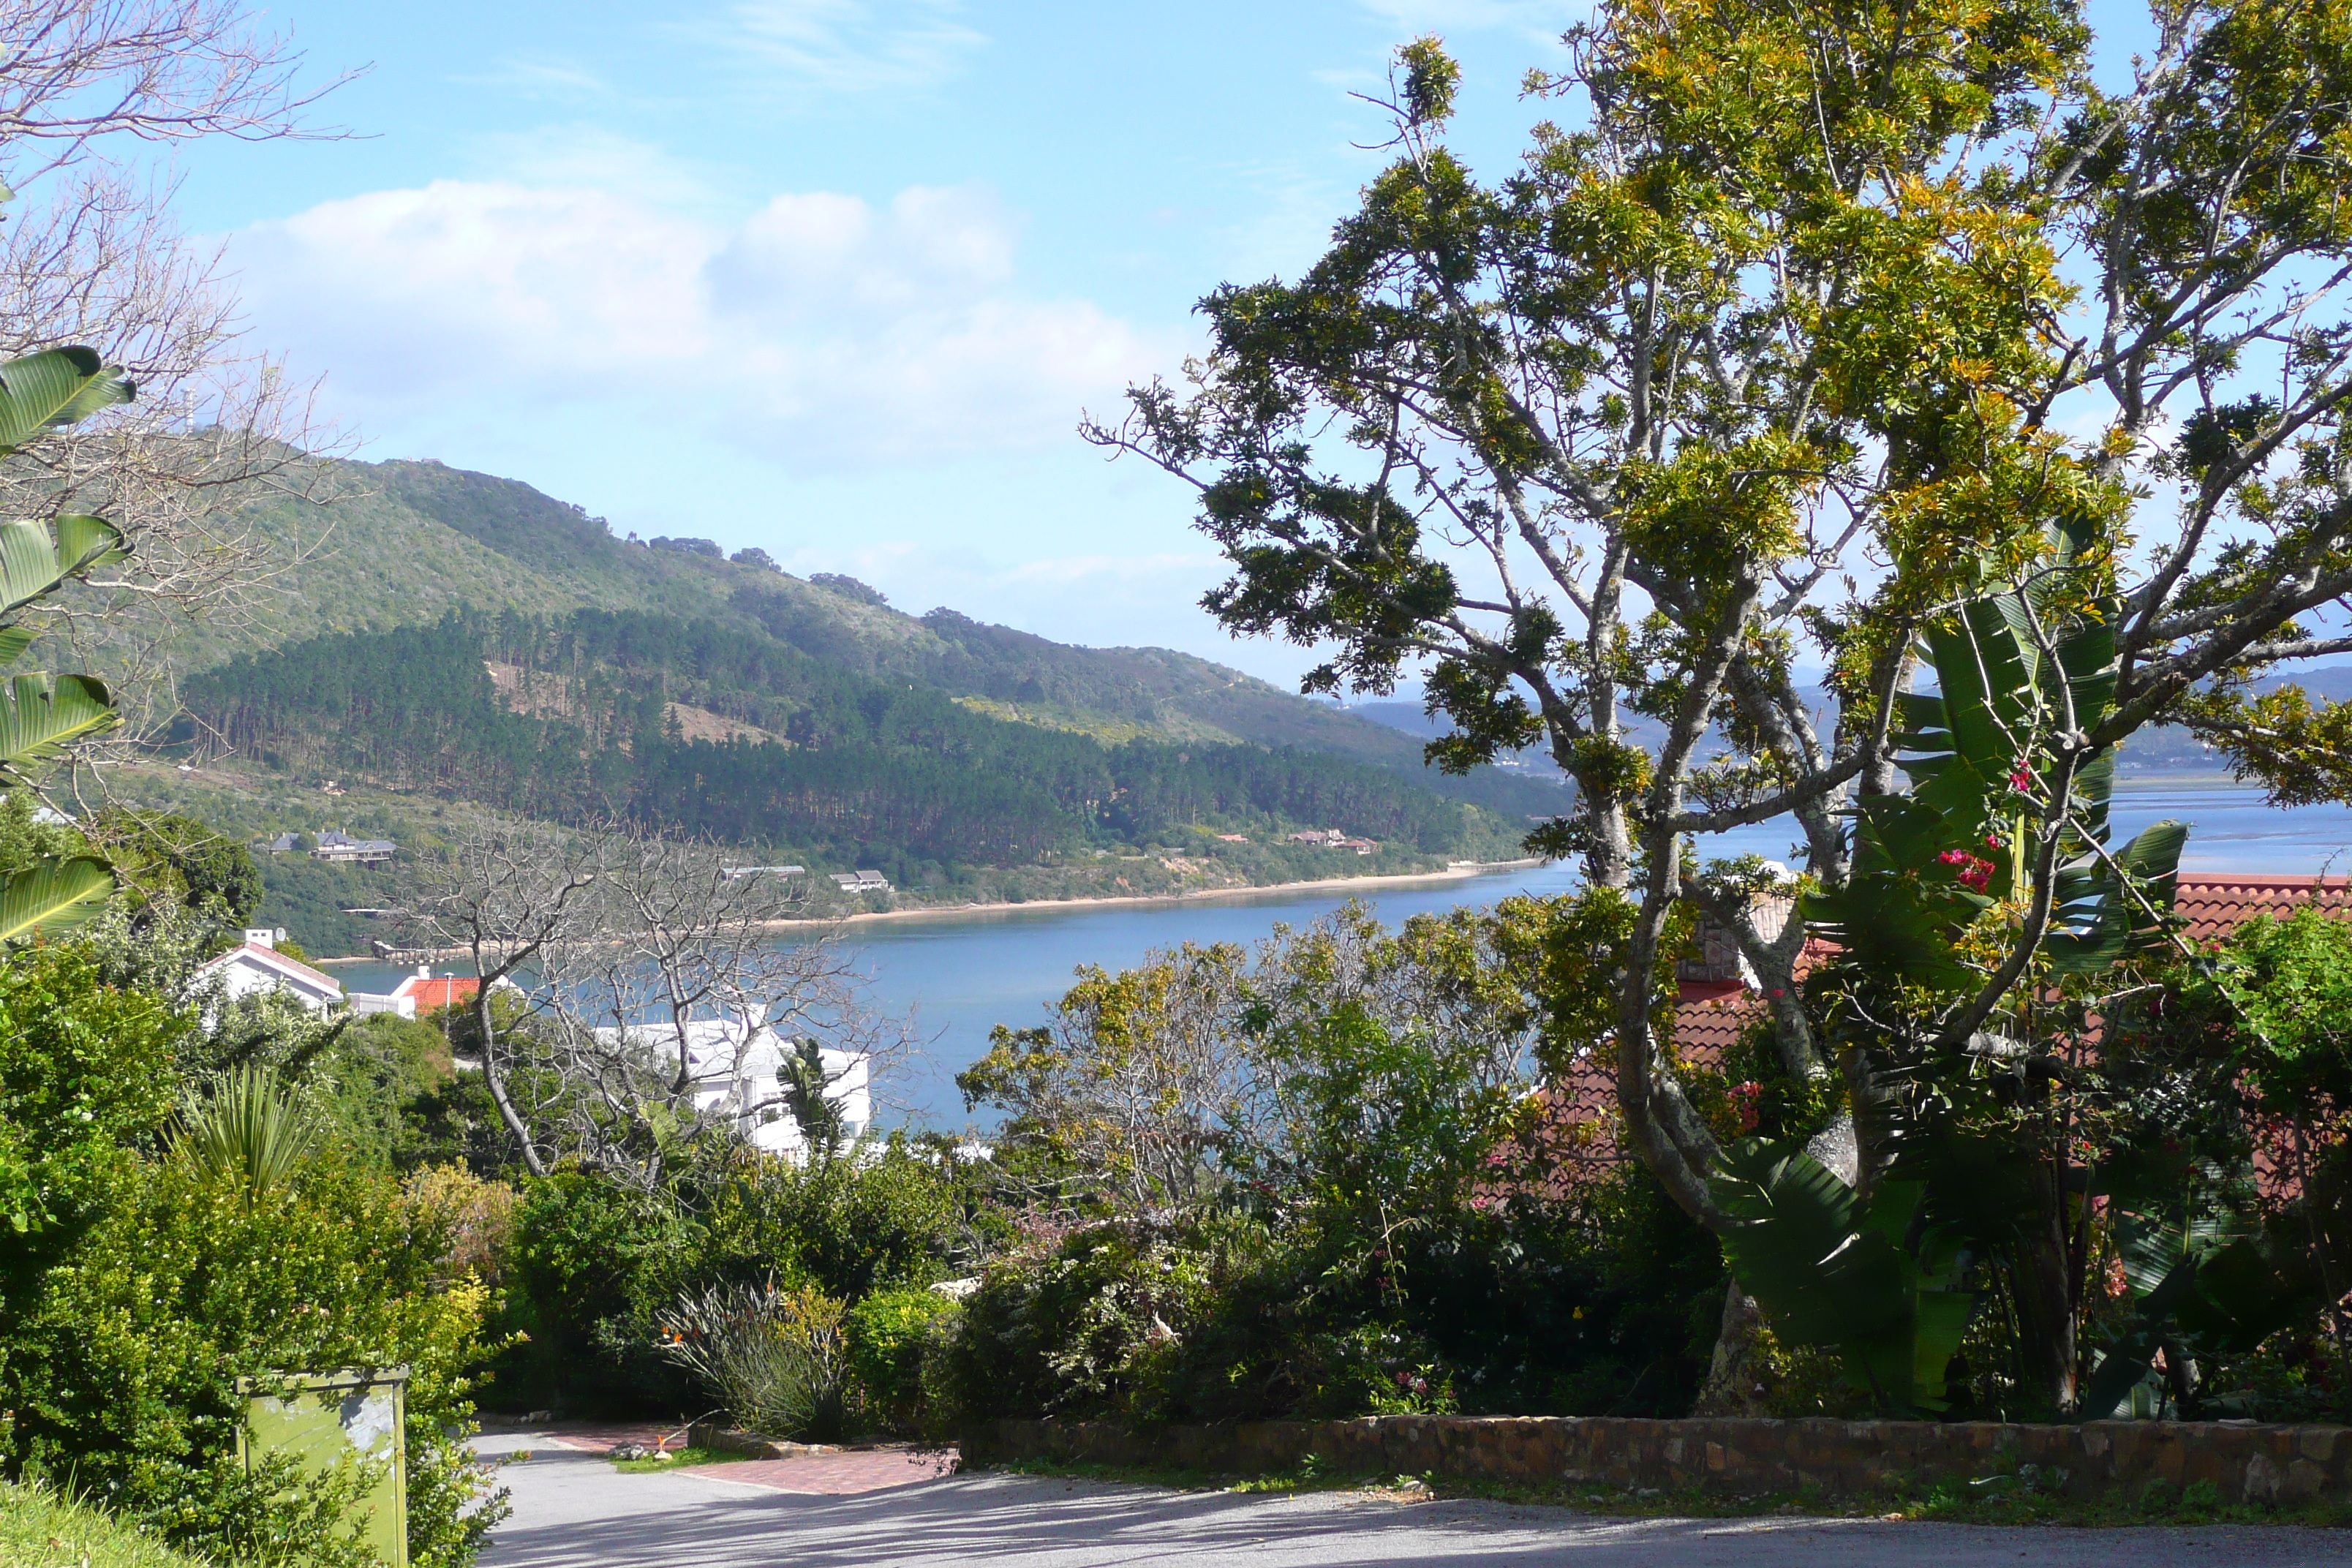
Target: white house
254, 965
738, 1079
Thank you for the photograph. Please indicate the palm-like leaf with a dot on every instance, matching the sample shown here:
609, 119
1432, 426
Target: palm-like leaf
1835, 1273
251, 1131
35, 556
55, 387
53, 896
40, 716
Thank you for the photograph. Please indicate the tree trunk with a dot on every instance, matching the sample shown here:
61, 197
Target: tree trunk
2045, 1302
1734, 1386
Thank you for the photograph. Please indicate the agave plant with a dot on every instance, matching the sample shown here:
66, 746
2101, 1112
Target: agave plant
251, 1131
42, 716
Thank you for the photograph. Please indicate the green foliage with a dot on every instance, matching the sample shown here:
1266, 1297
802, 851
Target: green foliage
388, 1084
168, 853
891, 1334
1834, 1272
2288, 983
85, 1070
247, 1134
120, 1363
598, 1268
40, 1529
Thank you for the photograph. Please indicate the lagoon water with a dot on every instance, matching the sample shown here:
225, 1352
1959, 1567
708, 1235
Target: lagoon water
959, 976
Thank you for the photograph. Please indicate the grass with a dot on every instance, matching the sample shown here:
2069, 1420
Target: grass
40, 1529
2011, 1500
679, 1459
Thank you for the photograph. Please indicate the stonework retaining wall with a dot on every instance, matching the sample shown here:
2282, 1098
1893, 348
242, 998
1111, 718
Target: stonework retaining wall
2246, 1462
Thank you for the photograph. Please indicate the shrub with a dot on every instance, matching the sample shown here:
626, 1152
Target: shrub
866, 1221
121, 1361
588, 1257
777, 1361
476, 1215
889, 1334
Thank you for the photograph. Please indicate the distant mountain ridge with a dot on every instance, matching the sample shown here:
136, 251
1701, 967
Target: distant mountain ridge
418, 539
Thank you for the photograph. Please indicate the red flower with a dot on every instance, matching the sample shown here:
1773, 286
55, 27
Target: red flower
1974, 872
2020, 779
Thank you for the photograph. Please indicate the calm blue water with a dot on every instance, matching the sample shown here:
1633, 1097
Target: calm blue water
959, 977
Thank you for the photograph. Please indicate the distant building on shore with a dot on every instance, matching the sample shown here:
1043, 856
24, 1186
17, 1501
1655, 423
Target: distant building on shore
861, 881
343, 848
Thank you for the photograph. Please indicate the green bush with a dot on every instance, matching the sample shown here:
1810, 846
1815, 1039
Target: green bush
889, 1333
121, 1362
597, 1266
871, 1219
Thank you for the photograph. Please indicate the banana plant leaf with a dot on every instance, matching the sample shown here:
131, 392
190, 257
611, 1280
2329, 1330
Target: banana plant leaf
35, 556
55, 387
40, 716
2013, 668
1832, 1272
53, 896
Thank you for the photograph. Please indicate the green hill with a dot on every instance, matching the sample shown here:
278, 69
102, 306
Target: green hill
455, 640
413, 541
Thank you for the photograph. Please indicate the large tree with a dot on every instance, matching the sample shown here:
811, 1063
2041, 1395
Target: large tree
1819, 322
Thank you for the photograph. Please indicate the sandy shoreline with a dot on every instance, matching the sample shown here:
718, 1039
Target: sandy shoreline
975, 912
978, 912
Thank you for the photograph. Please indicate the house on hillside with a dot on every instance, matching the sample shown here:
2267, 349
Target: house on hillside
340, 847
861, 881
254, 965
424, 994
1331, 837
284, 844
737, 873
736, 1067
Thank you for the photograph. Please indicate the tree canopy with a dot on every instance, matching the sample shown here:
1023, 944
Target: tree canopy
1815, 332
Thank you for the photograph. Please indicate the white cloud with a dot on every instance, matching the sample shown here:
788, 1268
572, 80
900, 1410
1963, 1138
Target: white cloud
821, 330
848, 46
540, 78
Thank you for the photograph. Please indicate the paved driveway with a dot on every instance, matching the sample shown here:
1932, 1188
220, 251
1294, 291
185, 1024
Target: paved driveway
573, 1511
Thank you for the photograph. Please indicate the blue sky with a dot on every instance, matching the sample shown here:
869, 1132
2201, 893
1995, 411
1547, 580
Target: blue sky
834, 278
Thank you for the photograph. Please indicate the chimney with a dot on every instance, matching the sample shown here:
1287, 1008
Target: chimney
262, 936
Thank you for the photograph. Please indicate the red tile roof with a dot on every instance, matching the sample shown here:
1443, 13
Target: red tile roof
2217, 903
1710, 1016
433, 995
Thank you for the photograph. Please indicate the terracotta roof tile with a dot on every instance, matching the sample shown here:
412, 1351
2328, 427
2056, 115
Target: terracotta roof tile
2217, 903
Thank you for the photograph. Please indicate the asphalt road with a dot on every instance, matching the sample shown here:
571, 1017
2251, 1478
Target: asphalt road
573, 1511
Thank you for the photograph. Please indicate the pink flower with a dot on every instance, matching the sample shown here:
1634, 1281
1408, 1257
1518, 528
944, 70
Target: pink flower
2020, 779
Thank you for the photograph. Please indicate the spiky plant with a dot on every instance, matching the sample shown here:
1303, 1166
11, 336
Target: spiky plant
251, 1130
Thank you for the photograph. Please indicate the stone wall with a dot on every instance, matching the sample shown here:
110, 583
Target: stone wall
2245, 1462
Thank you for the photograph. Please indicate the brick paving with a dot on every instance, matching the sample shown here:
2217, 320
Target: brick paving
602, 1438
846, 1474
839, 1474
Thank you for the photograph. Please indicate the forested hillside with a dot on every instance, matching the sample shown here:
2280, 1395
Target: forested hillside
410, 542
830, 759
